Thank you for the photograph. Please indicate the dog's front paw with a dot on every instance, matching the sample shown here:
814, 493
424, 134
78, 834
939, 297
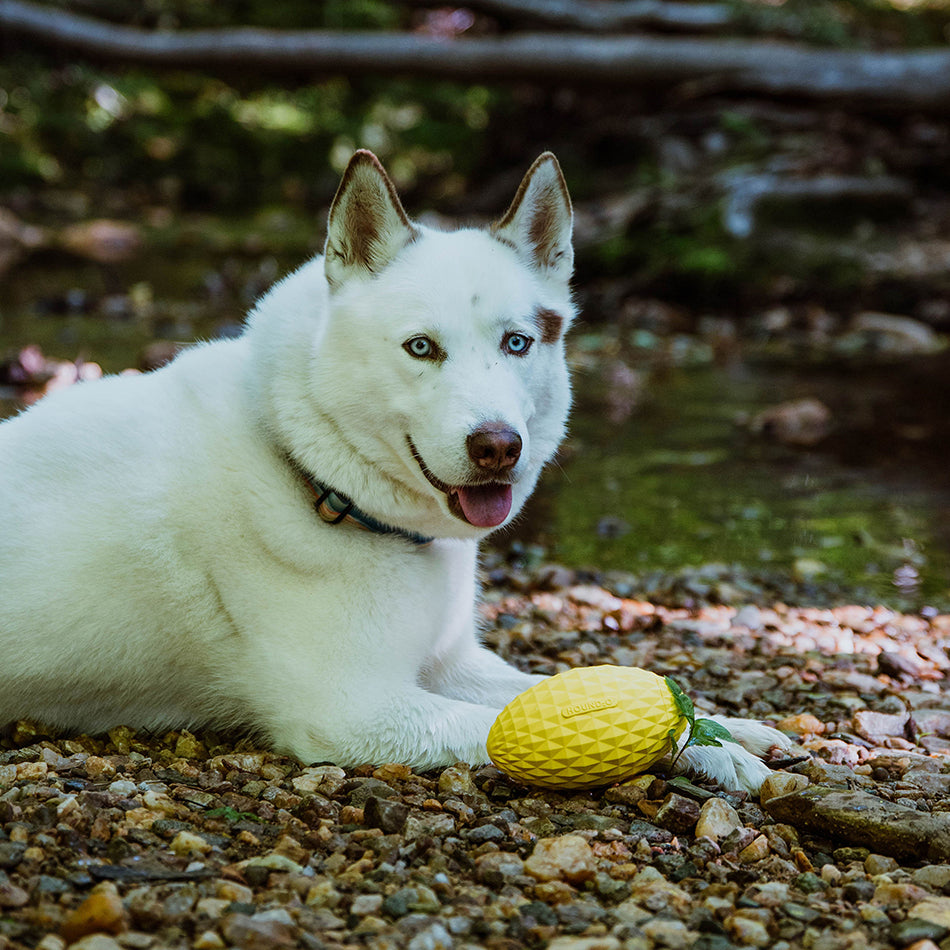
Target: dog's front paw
754, 736
737, 764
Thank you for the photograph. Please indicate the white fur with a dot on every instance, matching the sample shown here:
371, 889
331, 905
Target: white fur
161, 563
738, 764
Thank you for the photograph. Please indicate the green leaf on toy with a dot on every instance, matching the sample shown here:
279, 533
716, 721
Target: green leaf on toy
683, 703
707, 732
701, 731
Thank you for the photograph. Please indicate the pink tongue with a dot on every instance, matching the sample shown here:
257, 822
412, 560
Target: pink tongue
485, 506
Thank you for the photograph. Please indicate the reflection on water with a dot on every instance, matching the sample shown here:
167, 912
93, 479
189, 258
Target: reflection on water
679, 482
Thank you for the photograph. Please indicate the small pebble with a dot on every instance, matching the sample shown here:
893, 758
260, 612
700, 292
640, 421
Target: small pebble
101, 912
717, 818
568, 858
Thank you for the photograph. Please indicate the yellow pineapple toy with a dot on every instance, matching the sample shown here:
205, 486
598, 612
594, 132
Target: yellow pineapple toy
593, 726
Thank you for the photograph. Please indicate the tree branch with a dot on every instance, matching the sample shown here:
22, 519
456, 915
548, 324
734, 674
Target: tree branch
599, 17
912, 80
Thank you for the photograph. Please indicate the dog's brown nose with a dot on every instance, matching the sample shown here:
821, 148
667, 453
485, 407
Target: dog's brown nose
494, 448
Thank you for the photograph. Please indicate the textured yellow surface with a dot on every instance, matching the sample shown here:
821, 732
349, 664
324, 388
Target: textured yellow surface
585, 727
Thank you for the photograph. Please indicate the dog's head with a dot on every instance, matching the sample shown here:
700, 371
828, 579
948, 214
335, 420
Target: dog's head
443, 357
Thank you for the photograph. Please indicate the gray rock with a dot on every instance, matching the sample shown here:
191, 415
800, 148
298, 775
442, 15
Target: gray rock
825, 773
717, 818
498, 868
483, 833
912, 930
934, 876
11, 853
801, 912
432, 824
929, 782
809, 882
384, 813
587, 821
418, 899
435, 937
364, 904
860, 818
370, 787
859, 891
252, 933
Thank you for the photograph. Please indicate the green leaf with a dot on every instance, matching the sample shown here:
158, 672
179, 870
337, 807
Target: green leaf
683, 703
707, 732
681, 783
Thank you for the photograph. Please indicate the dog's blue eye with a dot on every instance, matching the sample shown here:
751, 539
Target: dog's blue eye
422, 348
517, 344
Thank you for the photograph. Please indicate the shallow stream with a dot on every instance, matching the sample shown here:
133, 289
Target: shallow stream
683, 482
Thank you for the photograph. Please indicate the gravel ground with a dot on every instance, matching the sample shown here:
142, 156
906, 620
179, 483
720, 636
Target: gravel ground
206, 841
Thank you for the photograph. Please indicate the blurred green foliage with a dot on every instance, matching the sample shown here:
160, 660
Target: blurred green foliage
186, 137
234, 143
848, 23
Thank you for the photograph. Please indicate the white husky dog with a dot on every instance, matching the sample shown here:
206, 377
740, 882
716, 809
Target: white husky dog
279, 531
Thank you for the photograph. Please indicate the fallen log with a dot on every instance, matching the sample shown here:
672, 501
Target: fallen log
599, 17
913, 80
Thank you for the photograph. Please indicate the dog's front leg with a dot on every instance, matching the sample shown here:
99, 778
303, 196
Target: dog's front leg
468, 671
368, 725
738, 764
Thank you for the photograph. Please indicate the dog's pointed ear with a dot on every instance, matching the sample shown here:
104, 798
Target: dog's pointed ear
367, 227
539, 222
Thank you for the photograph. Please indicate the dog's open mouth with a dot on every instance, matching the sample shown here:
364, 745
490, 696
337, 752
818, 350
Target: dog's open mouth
484, 505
